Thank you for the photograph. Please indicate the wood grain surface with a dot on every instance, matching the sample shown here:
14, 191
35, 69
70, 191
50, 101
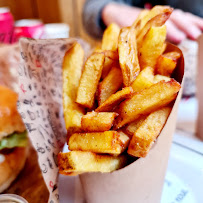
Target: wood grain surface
30, 183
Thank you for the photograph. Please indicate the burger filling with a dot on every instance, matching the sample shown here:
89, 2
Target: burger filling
16, 139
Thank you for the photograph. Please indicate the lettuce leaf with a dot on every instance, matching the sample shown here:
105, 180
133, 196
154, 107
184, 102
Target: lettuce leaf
14, 140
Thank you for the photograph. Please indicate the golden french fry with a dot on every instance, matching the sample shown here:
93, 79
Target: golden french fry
115, 99
108, 64
76, 162
97, 122
90, 79
163, 48
132, 127
156, 21
158, 78
111, 83
111, 54
72, 69
147, 15
152, 46
124, 138
144, 79
128, 59
108, 53
146, 134
107, 142
138, 22
97, 48
167, 62
111, 60
110, 37
146, 101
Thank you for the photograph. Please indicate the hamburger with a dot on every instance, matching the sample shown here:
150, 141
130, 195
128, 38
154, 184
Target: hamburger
13, 138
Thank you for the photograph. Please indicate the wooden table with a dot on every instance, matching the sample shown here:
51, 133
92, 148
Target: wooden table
30, 184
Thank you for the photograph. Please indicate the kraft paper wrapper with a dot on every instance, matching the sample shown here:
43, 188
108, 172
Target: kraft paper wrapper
142, 181
200, 89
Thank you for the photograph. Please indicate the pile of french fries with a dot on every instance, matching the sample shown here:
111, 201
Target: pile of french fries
118, 101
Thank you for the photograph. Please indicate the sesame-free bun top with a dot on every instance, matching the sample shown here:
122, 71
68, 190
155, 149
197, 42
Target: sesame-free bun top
10, 119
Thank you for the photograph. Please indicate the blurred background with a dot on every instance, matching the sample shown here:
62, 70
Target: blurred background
185, 172
51, 11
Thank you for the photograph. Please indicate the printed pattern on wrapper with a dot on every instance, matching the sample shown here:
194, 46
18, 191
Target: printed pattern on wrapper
40, 102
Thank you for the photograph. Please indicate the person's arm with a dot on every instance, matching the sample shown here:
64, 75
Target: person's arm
121, 14
181, 25
101, 13
92, 17
97, 14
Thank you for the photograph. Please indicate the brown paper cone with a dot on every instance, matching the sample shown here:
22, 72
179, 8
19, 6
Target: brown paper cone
142, 181
200, 89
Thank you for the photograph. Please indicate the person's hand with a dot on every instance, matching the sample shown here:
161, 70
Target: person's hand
182, 25
120, 14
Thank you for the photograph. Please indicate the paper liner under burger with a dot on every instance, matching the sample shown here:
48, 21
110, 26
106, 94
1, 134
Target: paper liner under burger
142, 181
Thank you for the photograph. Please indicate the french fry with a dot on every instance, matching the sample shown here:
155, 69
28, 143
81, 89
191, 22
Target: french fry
147, 15
111, 60
111, 54
110, 37
108, 64
97, 122
77, 162
128, 59
164, 48
158, 78
139, 20
152, 46
108, 53
156, 21
167, 62
107, 142
97, 48
90, 79
147, 101
111, 83
144, 79
72, 69
146, 134
132, 127
115, 99
124, 138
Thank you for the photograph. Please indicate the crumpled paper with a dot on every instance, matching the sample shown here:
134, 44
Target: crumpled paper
40, 102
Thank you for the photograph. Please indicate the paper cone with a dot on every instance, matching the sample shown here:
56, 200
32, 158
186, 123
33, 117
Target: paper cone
142, 181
